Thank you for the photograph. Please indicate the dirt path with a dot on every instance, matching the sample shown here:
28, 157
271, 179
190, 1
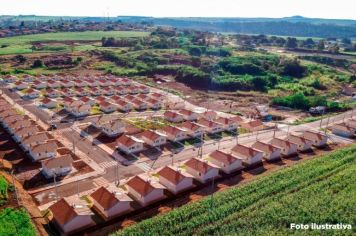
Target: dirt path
26, 201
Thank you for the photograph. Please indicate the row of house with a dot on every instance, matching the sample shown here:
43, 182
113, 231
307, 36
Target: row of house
37, 144
111, 201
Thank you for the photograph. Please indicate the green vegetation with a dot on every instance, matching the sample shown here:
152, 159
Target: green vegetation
319, 191
23, 44
4, 187
16, 222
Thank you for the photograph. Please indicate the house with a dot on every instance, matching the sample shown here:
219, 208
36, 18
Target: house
39, 84
80, 110
104, 82
113, 128
209, 115
143, 89
67, 83
7, 113
92, 83
210, 126
115, 82
250, 156
80, 92
48, 103
125, 81
70, 105
96, 92
287, 148
10, 79
13, 127
66, 92
71, 214
252, 126
51, 93
145, 190
19, 85
121, 90
174, 179
139, 105
43, 151
100, 99
108, 91
188, 115
31, 93
133, 90
107, 107
201, 170
142, 97
11, 119
28, 78
123, 106
156, 95
153, 138
173, 116
24, 132
270, 151
174, 134
129, 144
193, 129
111, 202
99, 121
228, 163
129, 98
302, 143
80, 83
227, 124
237, 119
87, 101
53, 84
154, 104
59, 166
319, 139
67, 101
344, 129
33, 140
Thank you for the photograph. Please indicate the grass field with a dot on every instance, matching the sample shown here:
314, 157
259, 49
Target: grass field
320, 190
22, 44
16, 222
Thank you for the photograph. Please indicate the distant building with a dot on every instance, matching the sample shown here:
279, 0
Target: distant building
58, 166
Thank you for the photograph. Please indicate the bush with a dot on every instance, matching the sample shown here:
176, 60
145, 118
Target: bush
37, 64
16, 222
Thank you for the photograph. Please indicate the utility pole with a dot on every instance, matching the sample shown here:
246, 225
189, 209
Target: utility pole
327, 124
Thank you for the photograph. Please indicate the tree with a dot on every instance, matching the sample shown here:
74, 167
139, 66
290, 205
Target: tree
37, 63
291, 43
321, 45
334, 49
20, 58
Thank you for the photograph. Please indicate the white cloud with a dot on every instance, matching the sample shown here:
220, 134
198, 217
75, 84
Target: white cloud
343, 9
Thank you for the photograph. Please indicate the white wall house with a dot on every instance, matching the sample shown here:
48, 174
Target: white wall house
303, 144
226, 162
250, 156
43, 151
211, 127
344, 130
193, 129
173, 116
153, 138
59, 166
270, 151
287, 148
318, 139
201, 170
111, 202
71, 214
145, 190
113, 128
174, 179
129, 144
174, 134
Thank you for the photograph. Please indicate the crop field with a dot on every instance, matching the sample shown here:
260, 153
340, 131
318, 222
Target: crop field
22, 44
320, 190
16, 222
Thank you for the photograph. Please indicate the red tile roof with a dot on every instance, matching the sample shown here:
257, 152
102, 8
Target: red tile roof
173, 176
198, 165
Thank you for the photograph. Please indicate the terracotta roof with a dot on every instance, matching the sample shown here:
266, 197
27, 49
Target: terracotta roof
143, 187
245, 151
254, 123
207, 122
224, 121
171, 130
310, 135
46, 100
20, 123
65, 209
281, 143
186, 112
172, 175
237, 119
126, 140
107, 197
198, 165
50, 146
190, 125
223, 157
297, 139
265, 147
26, 130
171, 114
40, 137
58, 162
150, 135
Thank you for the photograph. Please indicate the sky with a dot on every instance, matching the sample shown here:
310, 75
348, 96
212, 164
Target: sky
341, 9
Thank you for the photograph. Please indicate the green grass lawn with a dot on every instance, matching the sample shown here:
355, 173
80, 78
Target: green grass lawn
16, 222
321, 190
4, 186
22, 44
